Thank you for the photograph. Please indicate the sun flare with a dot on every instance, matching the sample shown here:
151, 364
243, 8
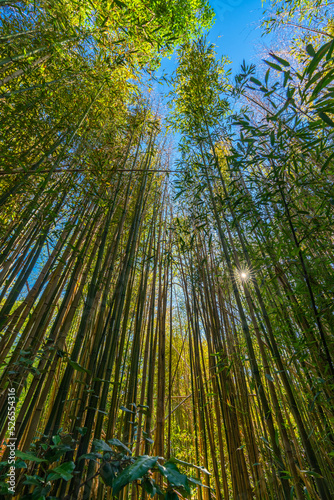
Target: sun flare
242, 275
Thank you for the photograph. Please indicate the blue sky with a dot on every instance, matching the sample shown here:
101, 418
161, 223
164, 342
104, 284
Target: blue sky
236, 32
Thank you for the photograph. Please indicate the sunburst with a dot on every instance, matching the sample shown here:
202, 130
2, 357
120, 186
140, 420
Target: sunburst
243, 275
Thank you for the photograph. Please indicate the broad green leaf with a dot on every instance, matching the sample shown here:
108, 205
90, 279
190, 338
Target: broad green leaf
101, 445
150, 486
90, 456
135, 471
119, 444
63, 471
28, 456
33, 480
171, 495
174, 476
107, 473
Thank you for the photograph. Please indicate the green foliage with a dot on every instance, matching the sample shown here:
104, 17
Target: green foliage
134, 472
45, 455
117, 469
188, 99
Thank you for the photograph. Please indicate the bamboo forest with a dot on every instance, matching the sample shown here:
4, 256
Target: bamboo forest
166, 251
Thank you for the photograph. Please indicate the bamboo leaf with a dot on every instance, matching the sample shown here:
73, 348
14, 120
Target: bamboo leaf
280, 60
119, 444
273, 65
78, 367
326, 118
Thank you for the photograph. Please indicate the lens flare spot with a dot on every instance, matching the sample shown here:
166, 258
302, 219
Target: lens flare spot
243, 275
